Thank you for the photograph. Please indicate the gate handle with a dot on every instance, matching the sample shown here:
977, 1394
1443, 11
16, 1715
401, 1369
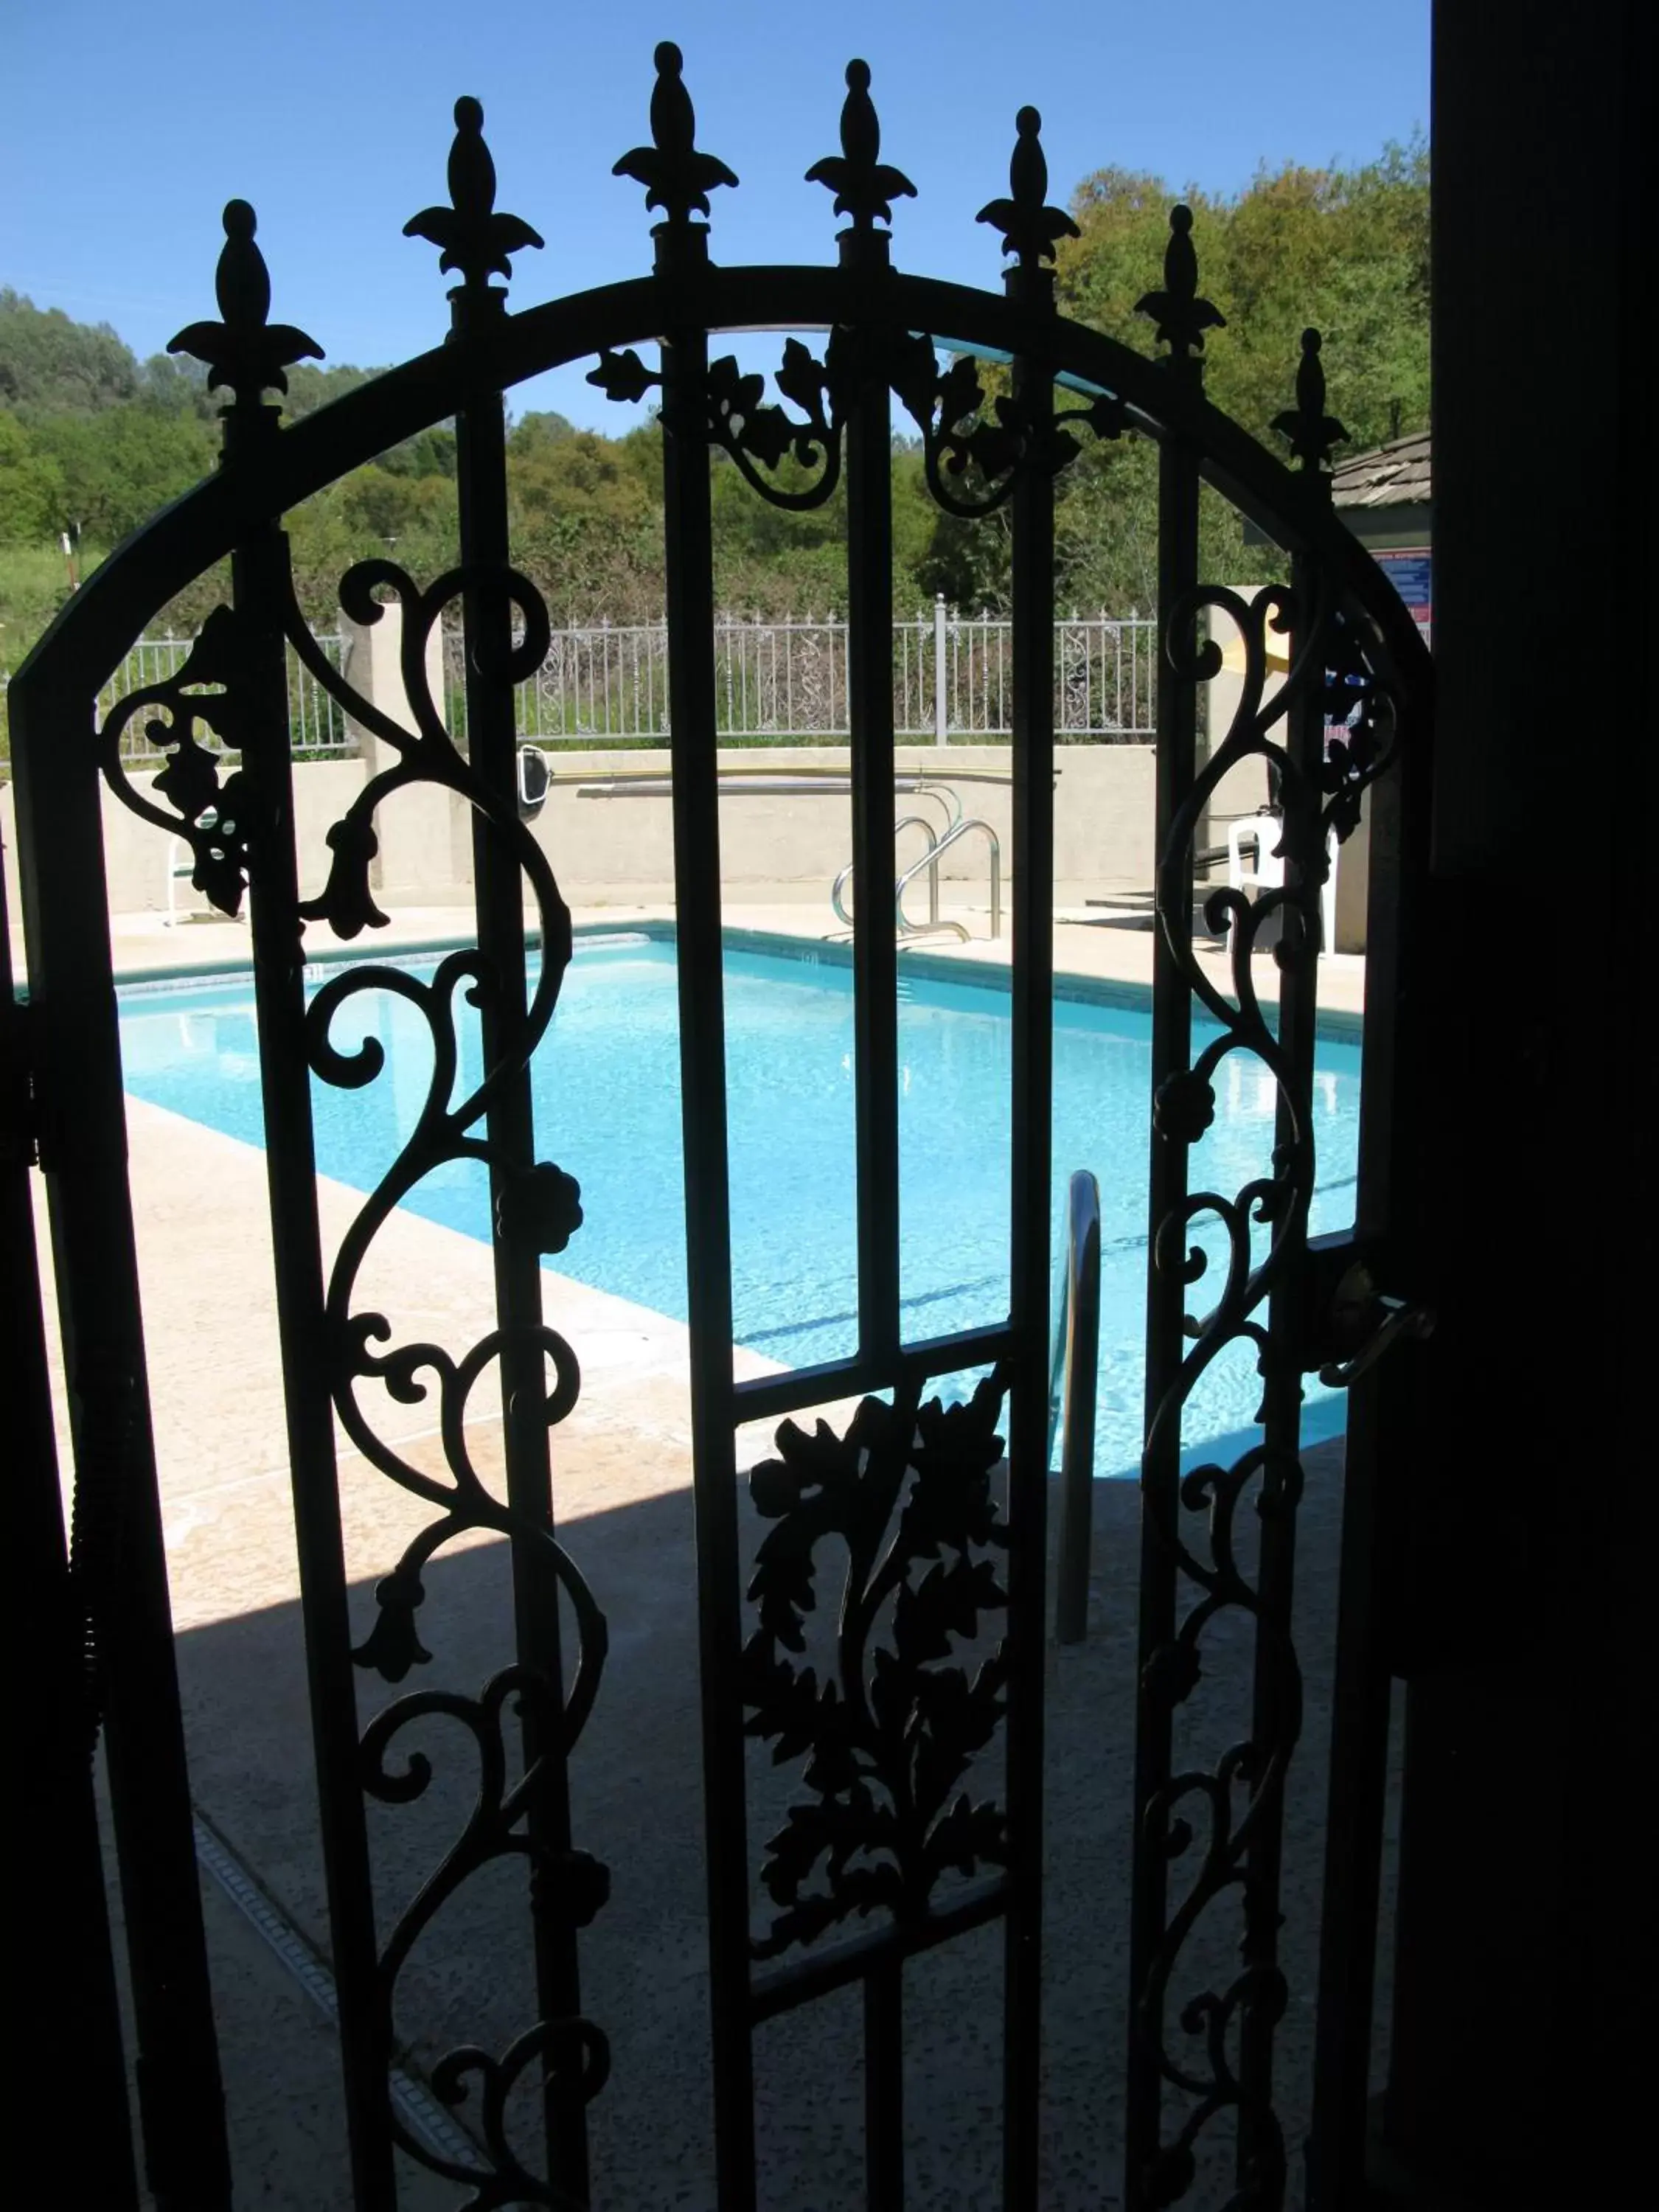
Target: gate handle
1401, 1322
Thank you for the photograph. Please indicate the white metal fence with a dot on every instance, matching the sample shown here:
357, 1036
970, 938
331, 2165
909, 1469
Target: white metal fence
785, 680
776, 682
317, 724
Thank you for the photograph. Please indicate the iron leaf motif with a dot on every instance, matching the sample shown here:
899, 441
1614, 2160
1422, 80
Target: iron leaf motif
887, 1740
623, 376
217, 817
758, 434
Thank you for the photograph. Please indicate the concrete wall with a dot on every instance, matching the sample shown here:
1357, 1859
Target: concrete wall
136, 855
1103, 818
1102, 827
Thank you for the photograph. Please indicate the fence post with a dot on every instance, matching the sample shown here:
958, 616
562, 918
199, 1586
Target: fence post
941, 697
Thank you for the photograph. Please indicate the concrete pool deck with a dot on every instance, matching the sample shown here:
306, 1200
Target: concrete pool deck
1100, 942
622, 1469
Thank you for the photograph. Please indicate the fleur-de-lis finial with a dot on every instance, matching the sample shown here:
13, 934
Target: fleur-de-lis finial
1311, 432
244, 350
865, 186
474, 239
676, 178
1028, 228
1182, 318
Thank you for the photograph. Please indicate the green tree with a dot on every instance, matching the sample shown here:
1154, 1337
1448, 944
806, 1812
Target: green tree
31, 487
50, 364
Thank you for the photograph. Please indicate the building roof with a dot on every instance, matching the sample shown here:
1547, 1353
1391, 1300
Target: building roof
1394, 475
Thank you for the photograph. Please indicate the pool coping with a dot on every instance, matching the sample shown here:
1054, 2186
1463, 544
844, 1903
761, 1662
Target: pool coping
1336, 1024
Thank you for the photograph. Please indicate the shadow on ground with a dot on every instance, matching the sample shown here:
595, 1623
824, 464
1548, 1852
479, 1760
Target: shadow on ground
637, 1797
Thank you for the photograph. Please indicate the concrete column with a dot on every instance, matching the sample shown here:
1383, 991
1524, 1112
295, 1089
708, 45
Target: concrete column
425, 855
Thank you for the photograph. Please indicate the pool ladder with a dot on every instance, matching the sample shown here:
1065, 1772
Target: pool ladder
1074, 1385
937, 847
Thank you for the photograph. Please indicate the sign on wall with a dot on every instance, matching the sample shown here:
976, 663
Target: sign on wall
1410, 570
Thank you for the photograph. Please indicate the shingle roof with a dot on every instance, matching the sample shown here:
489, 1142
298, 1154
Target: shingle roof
1394, 475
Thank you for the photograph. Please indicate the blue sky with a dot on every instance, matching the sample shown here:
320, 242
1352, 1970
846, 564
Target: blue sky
130, 122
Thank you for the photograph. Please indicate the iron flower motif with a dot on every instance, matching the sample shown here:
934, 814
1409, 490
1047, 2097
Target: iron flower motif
541, 1204
864, 185
1309, 430
474, 238
1182, 317
677, 179
1029, 228
244, 350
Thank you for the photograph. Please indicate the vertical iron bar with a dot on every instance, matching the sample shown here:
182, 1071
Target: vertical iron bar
875, 958
1377, 1440
259, 579
53, 1815
1030, 1203
1160, 1471
1271, 1695
884, 2086
682, 255
480, 482
83, 1153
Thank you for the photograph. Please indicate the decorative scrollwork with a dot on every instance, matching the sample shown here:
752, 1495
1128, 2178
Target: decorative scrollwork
962, 446
474, 239
244, 350
538, 1209
220, 819
1182, 317
1198, 1817
571, 1884
864, 185
888, 1740
752, 431
677, 179
1029, 228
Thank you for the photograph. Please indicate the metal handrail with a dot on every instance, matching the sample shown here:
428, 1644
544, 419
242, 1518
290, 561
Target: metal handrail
929, 861
952, 836
1073, 1387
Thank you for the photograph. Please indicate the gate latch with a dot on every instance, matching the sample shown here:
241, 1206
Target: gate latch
1365, 1323
19, 1119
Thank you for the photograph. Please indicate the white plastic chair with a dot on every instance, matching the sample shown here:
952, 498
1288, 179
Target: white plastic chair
181, 867
1263, 830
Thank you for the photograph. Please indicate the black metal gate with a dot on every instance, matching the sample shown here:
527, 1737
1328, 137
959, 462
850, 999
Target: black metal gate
885, 1854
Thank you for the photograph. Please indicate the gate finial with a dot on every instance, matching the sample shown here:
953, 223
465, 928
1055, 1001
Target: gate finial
244, 350
474, 239
1029, 228
1182, 318
677, 179
1310, 430
863, 183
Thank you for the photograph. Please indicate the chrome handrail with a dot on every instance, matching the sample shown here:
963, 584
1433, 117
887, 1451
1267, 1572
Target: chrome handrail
1073, 1388
952, 836
927, 861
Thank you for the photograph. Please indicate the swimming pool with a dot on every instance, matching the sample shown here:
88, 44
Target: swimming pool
606, 1084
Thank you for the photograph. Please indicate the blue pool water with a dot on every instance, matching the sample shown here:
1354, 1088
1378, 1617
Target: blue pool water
607, 1109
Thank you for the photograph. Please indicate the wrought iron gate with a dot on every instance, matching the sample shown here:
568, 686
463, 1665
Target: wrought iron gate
886, 1853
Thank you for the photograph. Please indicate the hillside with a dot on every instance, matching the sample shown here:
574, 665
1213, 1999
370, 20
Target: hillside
92, 441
